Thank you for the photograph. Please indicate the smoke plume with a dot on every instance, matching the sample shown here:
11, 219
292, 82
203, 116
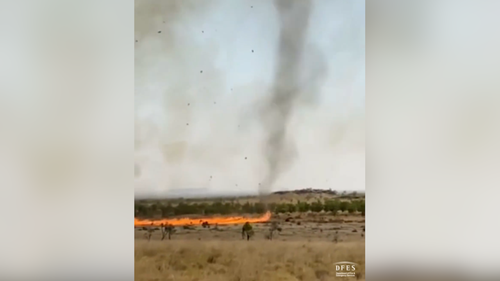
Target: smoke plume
279, 150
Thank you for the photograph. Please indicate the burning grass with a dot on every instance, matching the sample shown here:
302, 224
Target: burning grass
243, 261
209, 220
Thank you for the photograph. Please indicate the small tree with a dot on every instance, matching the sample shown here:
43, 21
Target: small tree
336, 237
167, 231
281, 208
317, 206
291, 208
303, 206
362, 207
332, 206
247, 230
274, 227
149, 233
344, 205
351, 208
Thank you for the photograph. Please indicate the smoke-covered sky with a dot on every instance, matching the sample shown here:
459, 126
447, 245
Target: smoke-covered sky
219, 102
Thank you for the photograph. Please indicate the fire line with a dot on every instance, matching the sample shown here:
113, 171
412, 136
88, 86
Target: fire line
199, 221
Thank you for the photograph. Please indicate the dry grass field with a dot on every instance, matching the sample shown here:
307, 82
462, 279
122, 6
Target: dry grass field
304, 249
184, 260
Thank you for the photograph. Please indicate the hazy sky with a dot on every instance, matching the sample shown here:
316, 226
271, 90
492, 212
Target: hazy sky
203, 70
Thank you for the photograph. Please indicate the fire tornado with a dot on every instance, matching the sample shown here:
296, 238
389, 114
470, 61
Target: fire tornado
213, 220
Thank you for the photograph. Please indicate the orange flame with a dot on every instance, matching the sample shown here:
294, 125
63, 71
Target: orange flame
216, 220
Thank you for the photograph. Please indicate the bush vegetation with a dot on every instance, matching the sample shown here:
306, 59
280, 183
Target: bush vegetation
163, 210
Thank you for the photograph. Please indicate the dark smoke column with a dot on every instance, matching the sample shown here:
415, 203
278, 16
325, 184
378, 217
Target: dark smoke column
277, 111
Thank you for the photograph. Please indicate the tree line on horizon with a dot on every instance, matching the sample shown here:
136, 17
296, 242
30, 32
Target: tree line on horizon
164, 210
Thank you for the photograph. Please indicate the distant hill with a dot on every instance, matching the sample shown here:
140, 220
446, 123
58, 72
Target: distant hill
319, 191
307, 194
308, 191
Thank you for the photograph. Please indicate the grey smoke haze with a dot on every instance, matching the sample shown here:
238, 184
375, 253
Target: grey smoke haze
233, 94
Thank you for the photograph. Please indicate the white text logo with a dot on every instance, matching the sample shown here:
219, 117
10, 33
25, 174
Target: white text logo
345, 269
